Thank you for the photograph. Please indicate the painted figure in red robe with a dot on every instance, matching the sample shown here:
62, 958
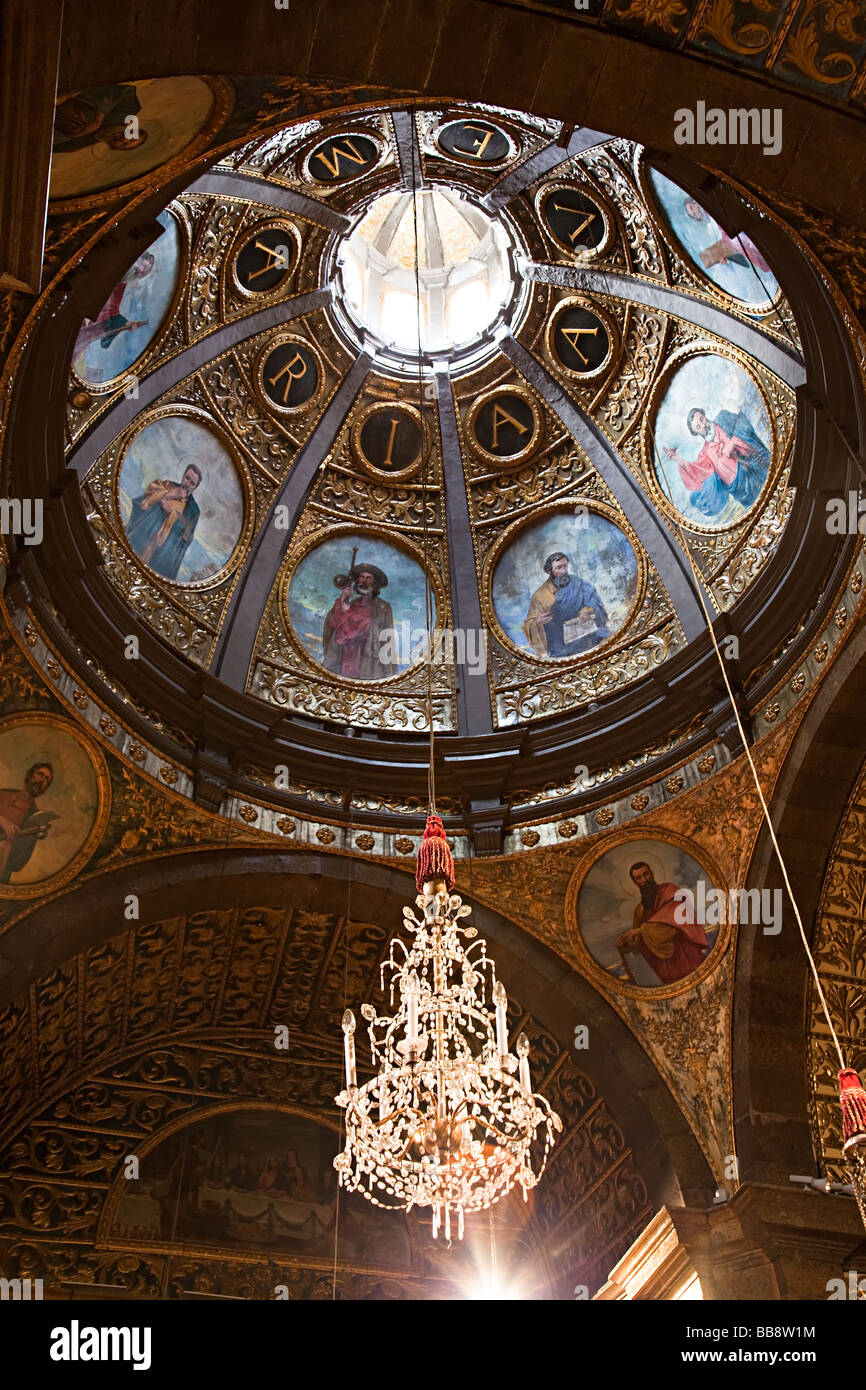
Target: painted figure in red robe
21, 825
672, 948
358, 625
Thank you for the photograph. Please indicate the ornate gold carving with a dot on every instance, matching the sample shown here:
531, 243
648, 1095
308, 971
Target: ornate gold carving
403, 845
604, 816
640, 802
706, 764
567, 829
108, 726
529, 838
286, 826
365, 841
325, 836
674, 785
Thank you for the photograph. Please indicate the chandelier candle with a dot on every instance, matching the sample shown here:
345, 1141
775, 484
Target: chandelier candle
449, 1121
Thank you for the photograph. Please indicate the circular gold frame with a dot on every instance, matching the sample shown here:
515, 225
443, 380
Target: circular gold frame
578, 301
510, 460
243, 238
589, 965
308, 150
399, 543
200, 417
655, 396
103, 804
749, 308
258, 374
179, 216
469, 161
383, 474
607, 215
161, 174
508, 535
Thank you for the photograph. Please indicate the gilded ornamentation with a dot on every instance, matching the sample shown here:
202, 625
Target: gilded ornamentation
136, 752
567, 829
798, 682
821, 652
603, 817
169, 775
856, 582
706, 764
286, 826
674, 785
108, 726
325, 836
666, 14
640, 802
839, 946
249, 814
771, 713
529, 838
403, 845
365, 841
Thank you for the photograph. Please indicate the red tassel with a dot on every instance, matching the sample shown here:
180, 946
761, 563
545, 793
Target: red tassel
852, 1098
434, 856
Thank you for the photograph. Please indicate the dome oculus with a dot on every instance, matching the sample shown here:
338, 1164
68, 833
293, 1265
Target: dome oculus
465, 281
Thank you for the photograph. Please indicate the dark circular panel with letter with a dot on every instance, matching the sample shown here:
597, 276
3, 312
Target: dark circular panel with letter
574, 221
266, 258
505, 425
341, 158
289, 375
476, 142
388, 439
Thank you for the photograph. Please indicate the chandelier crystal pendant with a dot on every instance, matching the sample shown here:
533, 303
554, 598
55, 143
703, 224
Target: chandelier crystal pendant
450, 1120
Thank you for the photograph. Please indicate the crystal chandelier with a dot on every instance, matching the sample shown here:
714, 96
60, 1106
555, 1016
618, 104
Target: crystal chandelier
450, 1120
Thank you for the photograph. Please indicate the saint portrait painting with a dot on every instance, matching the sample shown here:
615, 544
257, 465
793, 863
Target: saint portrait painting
730, 259
111, 135
49, 800
710, 442
635, 920
181, 500
565, 584
357, 607
133, 314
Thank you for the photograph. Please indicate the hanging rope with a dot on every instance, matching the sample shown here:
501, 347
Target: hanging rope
425, 476
345, 1007
765, 809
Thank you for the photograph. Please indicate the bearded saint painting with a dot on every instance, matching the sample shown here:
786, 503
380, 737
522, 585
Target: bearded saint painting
640, 913
671, 947
163, 521
566, 615
356, 628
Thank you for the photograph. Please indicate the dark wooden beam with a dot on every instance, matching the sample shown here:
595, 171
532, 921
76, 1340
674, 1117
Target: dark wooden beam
29, 60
